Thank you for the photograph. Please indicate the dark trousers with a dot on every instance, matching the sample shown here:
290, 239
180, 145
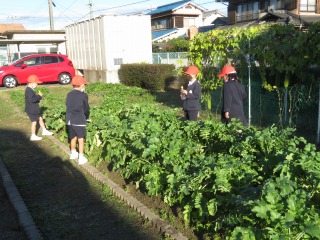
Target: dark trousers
191, 115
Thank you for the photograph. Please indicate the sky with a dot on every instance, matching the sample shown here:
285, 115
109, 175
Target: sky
34, 14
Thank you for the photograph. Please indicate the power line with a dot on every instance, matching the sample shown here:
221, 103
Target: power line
125, 5
66, 9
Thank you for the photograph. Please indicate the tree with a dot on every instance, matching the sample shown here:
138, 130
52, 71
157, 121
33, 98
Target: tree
282, 55
179, 44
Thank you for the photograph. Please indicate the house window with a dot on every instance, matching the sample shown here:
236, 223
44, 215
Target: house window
307, 5
281, 4
189, 21
248, 11
178, 22
264, 6
255, 10
273, 4
41, 50
117, 61
160, 24
239, 13
53, 50
291, 4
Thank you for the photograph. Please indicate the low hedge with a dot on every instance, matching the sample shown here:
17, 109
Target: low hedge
148, 76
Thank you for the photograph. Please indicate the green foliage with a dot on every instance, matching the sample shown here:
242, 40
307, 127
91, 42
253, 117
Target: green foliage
174, 45
18, 98
278, 53
231, 182
148, 76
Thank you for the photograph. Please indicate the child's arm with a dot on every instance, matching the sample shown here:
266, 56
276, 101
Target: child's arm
32, 97
86, 107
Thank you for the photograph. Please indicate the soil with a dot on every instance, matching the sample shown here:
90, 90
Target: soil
64, 201
173, 216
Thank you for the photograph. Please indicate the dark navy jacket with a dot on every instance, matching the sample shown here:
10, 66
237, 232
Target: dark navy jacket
32, 101
192, 101
233, 95
78, 109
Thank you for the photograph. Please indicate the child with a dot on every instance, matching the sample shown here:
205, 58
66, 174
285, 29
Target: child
32, 108
233, 95
77, 114
191, 96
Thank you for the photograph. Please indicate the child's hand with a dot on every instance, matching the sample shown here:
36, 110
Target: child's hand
40, 93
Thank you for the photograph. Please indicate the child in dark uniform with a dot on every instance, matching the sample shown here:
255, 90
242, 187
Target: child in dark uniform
32, 108
191, 96
233, 95
77, 114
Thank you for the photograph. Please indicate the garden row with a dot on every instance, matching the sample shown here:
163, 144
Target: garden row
228, 181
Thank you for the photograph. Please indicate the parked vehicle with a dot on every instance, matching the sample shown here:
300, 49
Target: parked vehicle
48, 67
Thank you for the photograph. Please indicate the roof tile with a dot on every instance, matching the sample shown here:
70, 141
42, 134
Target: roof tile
6, 27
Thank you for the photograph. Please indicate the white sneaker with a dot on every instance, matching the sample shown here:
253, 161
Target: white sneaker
46, 133
73, 155
82, 160
35, 138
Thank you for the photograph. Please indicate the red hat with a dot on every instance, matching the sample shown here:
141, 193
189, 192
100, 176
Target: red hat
78, 80
33, 79
227, 69
192, 70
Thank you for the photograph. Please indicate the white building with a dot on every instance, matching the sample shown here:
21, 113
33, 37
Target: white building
16, 43
100, 45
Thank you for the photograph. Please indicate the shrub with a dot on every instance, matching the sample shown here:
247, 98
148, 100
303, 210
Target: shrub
148, 76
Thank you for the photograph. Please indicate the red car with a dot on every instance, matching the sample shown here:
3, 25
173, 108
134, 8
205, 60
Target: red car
48, 67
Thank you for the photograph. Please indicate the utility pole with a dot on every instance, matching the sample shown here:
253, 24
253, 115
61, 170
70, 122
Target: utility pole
249, 86
90, 6
50, 14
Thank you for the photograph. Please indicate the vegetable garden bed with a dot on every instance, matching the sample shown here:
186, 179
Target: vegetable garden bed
230, 181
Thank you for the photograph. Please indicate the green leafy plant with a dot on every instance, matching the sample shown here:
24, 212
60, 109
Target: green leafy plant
230, 181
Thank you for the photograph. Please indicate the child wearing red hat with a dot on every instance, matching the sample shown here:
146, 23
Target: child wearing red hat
77, 114
32, 108
233, 95
191, 96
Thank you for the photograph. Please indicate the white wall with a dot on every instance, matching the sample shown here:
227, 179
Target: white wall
103, 43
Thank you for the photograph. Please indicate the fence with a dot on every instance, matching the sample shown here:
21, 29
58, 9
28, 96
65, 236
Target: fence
179, 59
295, 107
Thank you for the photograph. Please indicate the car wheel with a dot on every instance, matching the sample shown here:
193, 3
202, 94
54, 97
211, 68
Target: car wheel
10, 81
64, 78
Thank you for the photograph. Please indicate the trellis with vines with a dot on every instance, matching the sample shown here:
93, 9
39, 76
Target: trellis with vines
285, 58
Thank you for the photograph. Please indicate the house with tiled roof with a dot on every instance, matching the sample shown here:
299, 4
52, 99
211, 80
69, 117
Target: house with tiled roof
6, 27
173, 20
298, 12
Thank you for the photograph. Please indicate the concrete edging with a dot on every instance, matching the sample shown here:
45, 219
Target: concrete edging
132, 202
24, 216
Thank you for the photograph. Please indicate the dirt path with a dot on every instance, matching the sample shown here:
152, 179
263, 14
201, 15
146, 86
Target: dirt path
65, 202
